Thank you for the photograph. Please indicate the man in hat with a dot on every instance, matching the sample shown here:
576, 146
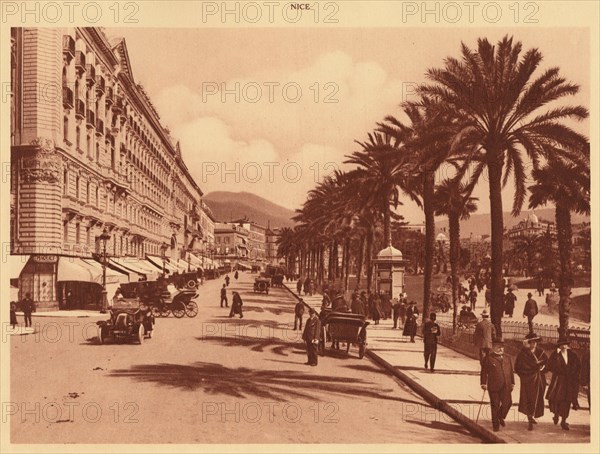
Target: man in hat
399, 309
498, 379
530, 310
509, 302
530, 366
431, 332
485, 331
473, 298
299, 313
224, 296
236, 305
410, 326
564, 386
311, 335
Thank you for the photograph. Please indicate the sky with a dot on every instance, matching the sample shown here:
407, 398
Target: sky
271, 111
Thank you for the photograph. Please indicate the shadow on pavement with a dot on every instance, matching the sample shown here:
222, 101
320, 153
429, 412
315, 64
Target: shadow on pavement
241, 382
439, 425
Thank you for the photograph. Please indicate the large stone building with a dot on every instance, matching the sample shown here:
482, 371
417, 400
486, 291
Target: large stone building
256, 240
231, 241
89, 156
531, 226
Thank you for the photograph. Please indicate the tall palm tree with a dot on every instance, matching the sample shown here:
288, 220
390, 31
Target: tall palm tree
500, 107
567, 185
452, 199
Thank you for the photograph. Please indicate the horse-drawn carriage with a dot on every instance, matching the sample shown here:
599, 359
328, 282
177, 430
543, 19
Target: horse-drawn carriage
129, 320
343, 327
162, 298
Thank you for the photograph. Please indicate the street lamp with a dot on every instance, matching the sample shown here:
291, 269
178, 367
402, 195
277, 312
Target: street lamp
189, 257
163, 252
104, 238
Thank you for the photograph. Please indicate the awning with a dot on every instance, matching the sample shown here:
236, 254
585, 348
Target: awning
80, 270
181, 265
136, 266
158, 262
14, 265
196, 262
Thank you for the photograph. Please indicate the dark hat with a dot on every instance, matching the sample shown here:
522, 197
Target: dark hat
562, 341
529, 295
485, 313
432, 316
312, 311
533, 337
498, 341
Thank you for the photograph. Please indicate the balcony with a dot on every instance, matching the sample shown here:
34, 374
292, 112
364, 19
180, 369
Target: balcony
79, 62
118, 106
79, 109
90, 119
67, 98
68, 48
100, 85
99, 127
109, 96
90, 74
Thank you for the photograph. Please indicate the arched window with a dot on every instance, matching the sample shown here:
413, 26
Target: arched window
66, 128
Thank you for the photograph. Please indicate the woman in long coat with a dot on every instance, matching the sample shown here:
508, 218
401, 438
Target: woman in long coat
410, 326
530, 366
376, 308
236, 306
564, 387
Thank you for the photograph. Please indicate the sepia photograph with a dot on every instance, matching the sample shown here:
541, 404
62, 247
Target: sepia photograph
309, 227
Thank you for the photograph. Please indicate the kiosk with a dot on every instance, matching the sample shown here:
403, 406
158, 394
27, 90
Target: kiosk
389, 271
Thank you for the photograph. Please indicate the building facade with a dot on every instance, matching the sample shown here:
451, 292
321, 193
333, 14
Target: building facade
531, 226
231, 241
89, 156
271, 236
256, 240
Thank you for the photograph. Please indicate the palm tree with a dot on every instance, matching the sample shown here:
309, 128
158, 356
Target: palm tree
567, 185
452, 199
492, 92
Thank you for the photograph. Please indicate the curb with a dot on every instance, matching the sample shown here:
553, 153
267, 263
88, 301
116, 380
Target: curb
486, 435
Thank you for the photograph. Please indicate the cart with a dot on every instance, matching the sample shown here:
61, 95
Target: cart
344, 327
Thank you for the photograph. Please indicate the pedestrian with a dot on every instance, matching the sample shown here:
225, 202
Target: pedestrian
13, 315
356, 305
307, 286
236, 275
386, 305
399, 310
376, 308
364, 303
410, 326
224, 296
530, 366
236, 305
564, 386
299, 313
339, 303
540, 286
509, 303
530, 311
227, 279
483, 336
488, 295
311, 335
431, 332
28, 307
326, 302
498, 379
473, 298
299, 286
311, 287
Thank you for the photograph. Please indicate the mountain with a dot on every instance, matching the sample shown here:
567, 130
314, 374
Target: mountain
228, 206
479, 224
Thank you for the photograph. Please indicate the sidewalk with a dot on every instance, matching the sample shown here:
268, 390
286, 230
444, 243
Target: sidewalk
71, 314
456, 381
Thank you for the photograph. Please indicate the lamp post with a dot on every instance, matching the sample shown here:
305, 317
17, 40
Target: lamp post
189, 257
104, 238
163, 252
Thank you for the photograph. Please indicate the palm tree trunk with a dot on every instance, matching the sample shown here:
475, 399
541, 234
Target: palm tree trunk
428, 208
346, 262
564, 237
330, 261
369, 253
387, 226
497, 231
361, 256
454, 226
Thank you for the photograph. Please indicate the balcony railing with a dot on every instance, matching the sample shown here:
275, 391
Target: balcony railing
90, 74
79, 109
68, 47
100, 85
67, 98
90, 118
80, 62
99, 127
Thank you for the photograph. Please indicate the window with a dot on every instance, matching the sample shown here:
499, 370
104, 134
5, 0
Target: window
78, 137
88, 235
97, 197
87, 192
98, 152
77, 233
88, 144
66, 128
66, 232
77, 179
65, 182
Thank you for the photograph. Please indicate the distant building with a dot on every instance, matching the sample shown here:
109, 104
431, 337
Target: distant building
531, 226
271, 245
256, 239
231, 241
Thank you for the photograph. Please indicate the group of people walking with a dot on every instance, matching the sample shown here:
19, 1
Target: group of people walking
236, 300
27, 306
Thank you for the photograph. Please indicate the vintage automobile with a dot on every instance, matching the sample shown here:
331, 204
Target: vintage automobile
262, 284
162, 298
343, 327
129, 320
277, 274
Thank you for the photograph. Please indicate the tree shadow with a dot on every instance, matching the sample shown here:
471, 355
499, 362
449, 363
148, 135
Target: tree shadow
255, 344
241, 382
441, 426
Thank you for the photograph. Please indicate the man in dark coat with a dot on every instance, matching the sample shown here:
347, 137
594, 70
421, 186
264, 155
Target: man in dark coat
399, 310
473, 298
299, 313
227, 279
498, 379
410, 326
484, 333
339, 303
530, 366
299, 286
509, 303
356, 305
386, 305
431, 332
530, 311
364, 302
28, 307
307, 286
224, 296
311, 335
376, 308
236, 305
564, 386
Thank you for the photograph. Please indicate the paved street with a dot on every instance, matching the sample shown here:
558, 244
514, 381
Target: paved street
210, 379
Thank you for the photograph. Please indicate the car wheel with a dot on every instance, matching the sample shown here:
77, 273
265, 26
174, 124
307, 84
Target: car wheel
102, 334
191, 309
141, 332
178, 309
